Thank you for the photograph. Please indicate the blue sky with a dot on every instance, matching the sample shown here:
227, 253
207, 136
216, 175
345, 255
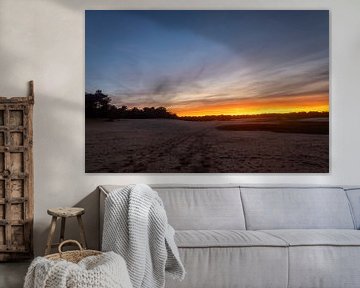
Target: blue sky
184, 59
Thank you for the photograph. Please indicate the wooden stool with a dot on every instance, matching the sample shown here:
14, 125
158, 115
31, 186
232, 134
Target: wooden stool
64, 213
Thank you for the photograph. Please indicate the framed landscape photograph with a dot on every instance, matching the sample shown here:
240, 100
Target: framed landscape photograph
219, 91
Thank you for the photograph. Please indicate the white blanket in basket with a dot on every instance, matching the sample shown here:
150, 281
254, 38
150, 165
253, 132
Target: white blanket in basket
136, 227
107, 270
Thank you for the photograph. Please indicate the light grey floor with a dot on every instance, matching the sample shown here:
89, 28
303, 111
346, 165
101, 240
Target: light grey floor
12, 274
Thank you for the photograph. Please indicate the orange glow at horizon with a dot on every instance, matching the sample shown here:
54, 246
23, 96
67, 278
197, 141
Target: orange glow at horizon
284, 104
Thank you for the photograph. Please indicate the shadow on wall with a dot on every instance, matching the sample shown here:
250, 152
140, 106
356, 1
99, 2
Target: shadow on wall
58, 149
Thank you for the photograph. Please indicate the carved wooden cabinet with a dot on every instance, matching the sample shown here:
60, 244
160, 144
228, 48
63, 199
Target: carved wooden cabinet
16, 177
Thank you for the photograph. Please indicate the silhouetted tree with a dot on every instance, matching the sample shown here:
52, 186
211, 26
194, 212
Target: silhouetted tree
97, 105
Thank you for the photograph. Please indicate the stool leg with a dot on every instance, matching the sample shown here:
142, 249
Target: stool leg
51, 235
82, 232
62, 230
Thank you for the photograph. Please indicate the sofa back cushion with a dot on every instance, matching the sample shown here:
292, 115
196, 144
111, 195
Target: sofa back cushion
296, 208
203, 208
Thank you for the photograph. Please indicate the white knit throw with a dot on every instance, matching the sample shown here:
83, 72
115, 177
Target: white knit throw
136, 227
103, 271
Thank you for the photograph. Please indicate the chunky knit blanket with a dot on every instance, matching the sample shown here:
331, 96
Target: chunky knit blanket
136, 227
103, 271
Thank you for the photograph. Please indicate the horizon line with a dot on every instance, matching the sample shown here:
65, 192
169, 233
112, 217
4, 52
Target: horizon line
254, 114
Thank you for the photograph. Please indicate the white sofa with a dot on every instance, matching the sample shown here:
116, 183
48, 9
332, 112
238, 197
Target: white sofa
264, 237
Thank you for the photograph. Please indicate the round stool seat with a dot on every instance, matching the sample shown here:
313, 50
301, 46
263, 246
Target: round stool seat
66, 211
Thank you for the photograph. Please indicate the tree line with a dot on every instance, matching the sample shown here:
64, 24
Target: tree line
98, 105
265, 116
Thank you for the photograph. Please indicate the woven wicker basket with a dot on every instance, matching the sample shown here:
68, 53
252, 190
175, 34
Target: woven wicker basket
72, 256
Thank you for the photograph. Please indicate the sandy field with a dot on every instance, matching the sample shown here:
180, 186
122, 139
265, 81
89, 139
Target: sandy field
176, 146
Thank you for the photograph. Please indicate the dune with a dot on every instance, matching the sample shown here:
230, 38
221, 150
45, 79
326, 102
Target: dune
175, 146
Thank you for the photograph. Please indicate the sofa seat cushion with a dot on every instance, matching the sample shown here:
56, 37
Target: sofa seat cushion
225, 238
317, 237
235, 267
322, 258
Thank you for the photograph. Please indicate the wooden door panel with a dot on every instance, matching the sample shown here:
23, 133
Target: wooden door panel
16, 139
2, 189
17, 188
1, 117
16, 162
2, 211
2, 139
16, 177
16, 118
2, 162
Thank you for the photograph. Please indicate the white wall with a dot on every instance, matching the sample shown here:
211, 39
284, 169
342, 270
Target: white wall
43, 40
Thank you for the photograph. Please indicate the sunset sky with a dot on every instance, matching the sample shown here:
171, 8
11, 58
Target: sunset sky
210, 62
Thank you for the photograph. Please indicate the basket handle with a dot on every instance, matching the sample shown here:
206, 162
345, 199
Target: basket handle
69, 241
